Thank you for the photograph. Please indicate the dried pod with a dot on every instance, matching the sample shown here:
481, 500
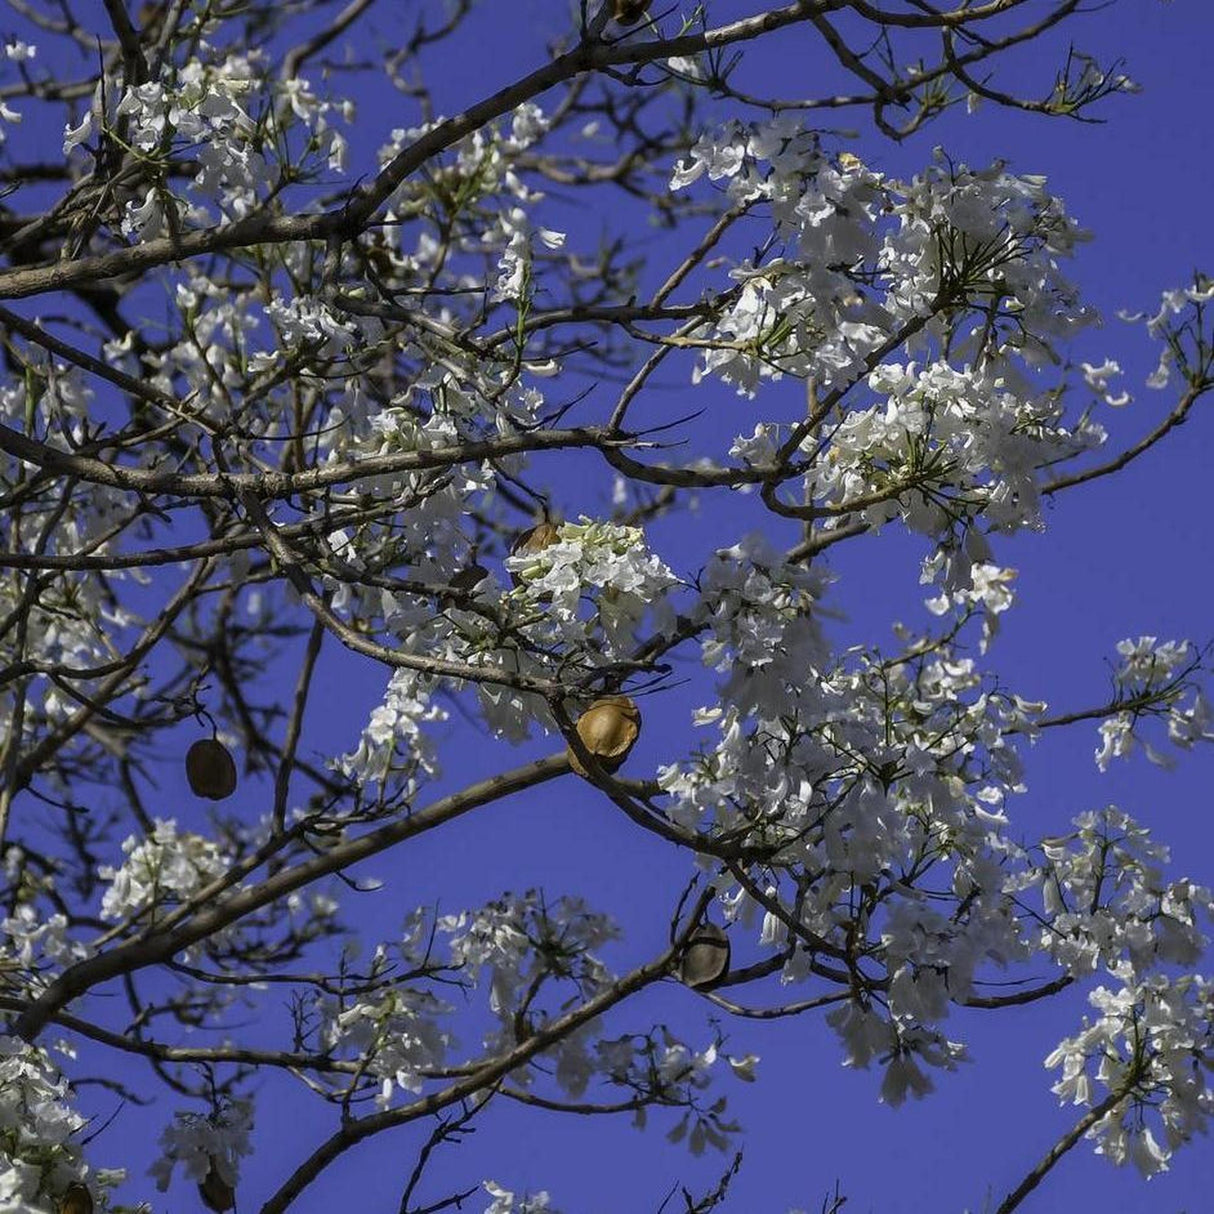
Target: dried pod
629, 12
215, 1192
210, 769
469, 578
465, 581
705, 958
76, 1199
608, 729
534, 539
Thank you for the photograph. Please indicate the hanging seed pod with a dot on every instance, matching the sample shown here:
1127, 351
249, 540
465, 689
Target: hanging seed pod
465, 581
210, 769
705, 958
535, 539
469, 578
629, 12
215, 1192
76, 1199
608, 728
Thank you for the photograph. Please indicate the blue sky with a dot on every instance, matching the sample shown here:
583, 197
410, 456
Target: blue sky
1126, 556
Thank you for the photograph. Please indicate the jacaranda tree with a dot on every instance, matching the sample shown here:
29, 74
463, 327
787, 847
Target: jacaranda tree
299, 370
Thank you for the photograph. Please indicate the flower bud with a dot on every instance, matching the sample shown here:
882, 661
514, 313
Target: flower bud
210, 769
705, 958
608, 729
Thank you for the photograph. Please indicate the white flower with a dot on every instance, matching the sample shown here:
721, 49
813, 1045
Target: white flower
74, 136
200, 1142
169, 865
506, 1202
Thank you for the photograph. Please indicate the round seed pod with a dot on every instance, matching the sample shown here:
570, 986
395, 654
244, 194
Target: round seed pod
705, 958
464, 580
629, 12
608, 729
76, 1199
215, 1192
210, 770
534, 539
469, 578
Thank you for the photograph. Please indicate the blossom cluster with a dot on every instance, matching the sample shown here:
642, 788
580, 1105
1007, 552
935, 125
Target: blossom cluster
350, 434
167, 866
40, 1149
203, 1143
1155, 680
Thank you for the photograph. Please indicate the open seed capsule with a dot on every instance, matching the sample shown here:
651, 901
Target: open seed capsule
210, 769
705, 958
534, 539
608, 729
76, 1199
215, 1192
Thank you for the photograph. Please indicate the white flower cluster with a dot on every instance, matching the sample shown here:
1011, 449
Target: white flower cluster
200, 1143
396, 1037
858, 771
1108, 904
863, 266
1172, 325
395, 738
587, 596
41, 945
1150, 1041
518, 938
167, 866
1153, 681
200, 109
762, 625
506, 1202
867, 257
517, 233
306, 321
481, 172
901, 1048
39, 1149
608, 568
15, 51
525, 945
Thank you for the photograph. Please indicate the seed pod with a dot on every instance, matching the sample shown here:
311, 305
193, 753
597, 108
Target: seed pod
215, 1192
210, 769
705, 958
608, 729
628, 12
76, 1199
534, 539
469, 577
465, 581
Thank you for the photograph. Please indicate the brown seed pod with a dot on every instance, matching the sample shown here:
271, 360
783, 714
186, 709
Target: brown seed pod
534, 539
629, 12
215, 1192
76, 1199
210, 769
608, 729
705, 958
469, 577
465, 581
